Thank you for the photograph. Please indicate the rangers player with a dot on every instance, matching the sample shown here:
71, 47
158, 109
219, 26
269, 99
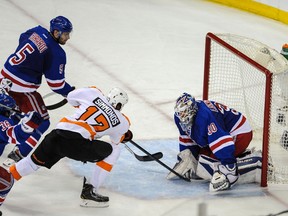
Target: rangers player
211, 138
38, 53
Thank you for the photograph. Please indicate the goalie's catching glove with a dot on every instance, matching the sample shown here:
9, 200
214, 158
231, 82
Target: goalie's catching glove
224, 177
31, 121
127, 136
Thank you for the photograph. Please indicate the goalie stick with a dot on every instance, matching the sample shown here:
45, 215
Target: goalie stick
159, 161
144, 158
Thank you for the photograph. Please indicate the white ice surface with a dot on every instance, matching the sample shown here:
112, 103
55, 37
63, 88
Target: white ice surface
155, 50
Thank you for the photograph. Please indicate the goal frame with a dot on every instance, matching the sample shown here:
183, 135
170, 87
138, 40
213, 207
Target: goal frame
268, 90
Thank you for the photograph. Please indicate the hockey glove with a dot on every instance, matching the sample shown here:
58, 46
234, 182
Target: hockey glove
5, 85
31, 121
127, 136
224, 177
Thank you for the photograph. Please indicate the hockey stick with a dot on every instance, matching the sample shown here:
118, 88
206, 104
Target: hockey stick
158, 161
56, 105
11, 109
144, 158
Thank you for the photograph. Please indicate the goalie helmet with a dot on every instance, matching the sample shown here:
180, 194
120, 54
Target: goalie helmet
117, 98
8, 102
186, 108
61, 24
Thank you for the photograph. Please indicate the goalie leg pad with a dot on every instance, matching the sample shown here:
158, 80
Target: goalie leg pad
249, 168
186, 166
206, 167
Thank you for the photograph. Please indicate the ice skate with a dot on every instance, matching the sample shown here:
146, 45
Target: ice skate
91, 199
13, 157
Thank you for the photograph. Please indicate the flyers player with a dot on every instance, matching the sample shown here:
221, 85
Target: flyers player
78, 137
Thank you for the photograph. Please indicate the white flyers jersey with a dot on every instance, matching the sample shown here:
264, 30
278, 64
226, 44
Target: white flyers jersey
94, 116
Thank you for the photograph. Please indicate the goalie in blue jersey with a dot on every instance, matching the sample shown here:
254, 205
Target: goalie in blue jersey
39, 53
213, 143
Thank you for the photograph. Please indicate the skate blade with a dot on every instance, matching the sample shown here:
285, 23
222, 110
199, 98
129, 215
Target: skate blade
93, 204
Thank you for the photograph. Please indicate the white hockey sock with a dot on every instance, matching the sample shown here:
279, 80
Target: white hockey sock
26, 166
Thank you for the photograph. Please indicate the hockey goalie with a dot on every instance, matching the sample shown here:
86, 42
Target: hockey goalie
213, 144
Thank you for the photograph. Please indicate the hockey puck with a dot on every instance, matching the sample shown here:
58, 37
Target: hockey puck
0, 213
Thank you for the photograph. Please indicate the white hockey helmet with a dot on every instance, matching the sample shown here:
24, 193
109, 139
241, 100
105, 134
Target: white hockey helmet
117, 98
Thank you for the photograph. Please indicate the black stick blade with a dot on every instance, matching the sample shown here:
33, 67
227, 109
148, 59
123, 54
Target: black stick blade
144, 158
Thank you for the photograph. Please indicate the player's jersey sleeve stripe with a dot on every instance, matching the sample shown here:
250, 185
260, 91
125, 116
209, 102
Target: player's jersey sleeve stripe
221, 143
56, 84
31, 141
186, 141
11, 135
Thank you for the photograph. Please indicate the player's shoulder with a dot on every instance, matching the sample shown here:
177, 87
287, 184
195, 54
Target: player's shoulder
92, 90
126, 118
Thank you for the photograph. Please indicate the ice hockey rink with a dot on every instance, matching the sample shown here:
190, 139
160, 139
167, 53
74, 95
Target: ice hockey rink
154, 49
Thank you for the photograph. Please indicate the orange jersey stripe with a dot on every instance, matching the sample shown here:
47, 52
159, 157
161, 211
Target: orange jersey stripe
81, 124
127, 118
14, 172
104, 165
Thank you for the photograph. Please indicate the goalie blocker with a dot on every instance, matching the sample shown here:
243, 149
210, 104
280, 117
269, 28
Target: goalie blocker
221, 177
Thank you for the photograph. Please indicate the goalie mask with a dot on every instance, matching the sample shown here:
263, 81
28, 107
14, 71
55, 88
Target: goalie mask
186, 108
117, 98
9, 104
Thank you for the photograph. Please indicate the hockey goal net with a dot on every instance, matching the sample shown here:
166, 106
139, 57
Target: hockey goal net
252, 78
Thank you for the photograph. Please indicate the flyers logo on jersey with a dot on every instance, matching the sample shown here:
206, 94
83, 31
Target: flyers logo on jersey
108, 111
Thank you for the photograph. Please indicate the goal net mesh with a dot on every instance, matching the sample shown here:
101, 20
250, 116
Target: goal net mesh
239, 69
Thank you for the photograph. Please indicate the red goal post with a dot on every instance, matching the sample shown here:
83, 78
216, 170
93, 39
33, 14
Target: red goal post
249, 76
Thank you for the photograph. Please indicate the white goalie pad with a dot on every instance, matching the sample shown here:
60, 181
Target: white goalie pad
185, 167
249, 167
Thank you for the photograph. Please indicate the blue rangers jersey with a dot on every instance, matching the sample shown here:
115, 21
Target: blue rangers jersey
214, 126
11, 132
37, 54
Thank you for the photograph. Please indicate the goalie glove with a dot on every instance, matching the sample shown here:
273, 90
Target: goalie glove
31, 121
224, 177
